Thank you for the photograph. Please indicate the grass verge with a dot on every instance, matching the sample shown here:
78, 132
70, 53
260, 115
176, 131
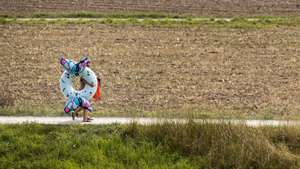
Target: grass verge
197, 113
164, 146
240, 22
193, 112
89, 14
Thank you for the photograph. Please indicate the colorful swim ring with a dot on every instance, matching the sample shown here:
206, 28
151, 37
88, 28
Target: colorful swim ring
66, 85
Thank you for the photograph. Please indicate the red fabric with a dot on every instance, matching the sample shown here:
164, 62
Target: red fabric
97, 95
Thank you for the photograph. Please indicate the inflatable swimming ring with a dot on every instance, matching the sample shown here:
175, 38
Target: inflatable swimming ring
66, 85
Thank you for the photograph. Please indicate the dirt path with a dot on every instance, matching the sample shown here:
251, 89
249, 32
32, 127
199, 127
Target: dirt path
127, 120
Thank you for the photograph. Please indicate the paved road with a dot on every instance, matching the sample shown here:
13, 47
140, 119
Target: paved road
127, 120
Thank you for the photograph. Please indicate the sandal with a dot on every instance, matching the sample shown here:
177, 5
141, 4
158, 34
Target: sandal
88, 119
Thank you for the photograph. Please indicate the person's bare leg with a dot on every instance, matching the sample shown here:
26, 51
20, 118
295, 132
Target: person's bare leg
89, 116
74, 113
84, 116
77, 113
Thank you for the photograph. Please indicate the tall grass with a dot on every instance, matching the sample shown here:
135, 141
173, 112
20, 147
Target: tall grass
169, 145
223, 146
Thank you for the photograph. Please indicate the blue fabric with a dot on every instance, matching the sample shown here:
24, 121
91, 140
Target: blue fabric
73, 67
73, 103
77, 101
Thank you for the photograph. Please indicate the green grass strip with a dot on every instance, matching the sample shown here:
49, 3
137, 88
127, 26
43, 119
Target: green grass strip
260, 22
87, 14
163, 146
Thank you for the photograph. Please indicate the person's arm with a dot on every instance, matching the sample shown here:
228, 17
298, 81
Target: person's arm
86, 82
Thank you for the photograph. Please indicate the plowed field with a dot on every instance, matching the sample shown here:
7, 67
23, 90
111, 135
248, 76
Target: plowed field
158, 69
178, 7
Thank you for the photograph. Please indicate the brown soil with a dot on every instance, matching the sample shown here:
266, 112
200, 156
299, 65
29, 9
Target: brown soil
187, 7
149, 69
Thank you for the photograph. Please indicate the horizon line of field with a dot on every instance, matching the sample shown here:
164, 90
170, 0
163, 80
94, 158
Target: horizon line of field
143, 121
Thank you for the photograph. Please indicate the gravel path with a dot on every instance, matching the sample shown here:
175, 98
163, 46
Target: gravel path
127, 120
